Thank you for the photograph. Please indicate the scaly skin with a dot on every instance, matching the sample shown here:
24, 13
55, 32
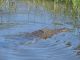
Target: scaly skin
42, 34
47, 33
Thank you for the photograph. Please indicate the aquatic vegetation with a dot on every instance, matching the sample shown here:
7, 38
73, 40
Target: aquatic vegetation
1, 2
78, 47
77, 50
67, 7
52, 5
57, 23
68, 44
77, 26
25, 43
7, 25
12, 6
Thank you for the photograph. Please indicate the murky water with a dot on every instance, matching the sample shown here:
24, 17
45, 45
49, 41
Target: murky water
20, 48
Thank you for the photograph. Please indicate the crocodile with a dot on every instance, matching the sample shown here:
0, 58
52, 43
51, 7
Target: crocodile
48, 33
41, 33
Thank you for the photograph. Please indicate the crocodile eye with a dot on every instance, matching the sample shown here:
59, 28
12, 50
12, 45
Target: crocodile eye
41, 31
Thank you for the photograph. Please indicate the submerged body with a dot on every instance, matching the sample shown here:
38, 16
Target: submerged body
47, 33
41, 34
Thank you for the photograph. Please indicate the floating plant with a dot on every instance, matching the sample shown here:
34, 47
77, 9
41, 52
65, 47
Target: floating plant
68, 44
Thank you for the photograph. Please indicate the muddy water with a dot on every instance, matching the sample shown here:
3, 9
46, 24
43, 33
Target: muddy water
19, 48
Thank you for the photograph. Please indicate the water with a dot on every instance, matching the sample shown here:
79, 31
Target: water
19, 48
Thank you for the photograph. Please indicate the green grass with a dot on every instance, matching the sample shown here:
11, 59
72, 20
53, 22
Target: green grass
6, 25
68, 7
